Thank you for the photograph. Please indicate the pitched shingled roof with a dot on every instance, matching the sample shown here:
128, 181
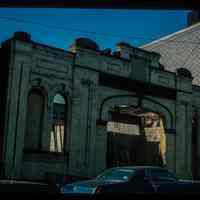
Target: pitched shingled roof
180, 50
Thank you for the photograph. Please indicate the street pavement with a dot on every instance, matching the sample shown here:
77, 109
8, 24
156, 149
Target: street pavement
9, 186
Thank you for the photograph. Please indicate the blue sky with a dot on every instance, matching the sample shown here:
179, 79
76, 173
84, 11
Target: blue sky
60, 27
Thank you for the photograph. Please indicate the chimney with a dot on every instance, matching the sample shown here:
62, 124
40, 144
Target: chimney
84, 43
193, 17
125, 50
22, 36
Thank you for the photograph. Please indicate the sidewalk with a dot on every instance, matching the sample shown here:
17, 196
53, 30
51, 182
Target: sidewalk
26, 186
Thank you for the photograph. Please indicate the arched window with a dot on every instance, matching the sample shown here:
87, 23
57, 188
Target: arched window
34, 124
57, 140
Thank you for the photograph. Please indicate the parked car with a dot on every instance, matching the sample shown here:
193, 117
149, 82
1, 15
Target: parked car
182, 186
129, 180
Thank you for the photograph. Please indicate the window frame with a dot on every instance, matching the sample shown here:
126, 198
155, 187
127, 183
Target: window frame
66, 124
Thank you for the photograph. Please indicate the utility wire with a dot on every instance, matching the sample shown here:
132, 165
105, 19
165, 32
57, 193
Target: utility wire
74, 29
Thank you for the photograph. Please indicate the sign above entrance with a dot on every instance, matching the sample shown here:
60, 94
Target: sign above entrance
116, 127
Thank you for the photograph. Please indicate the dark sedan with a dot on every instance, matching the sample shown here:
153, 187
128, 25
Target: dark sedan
124, 180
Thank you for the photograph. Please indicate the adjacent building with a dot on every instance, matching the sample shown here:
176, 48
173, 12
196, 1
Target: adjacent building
181, 50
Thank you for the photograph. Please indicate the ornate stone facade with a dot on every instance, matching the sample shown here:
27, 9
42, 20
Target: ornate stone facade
91, 82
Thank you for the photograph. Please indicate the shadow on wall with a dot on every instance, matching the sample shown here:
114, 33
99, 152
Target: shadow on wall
129, 150
143, 144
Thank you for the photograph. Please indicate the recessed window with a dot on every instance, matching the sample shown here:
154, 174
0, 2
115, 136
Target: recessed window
34, 125
57, 140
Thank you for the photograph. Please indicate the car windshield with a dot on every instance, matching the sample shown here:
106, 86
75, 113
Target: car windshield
162, 174
116, 175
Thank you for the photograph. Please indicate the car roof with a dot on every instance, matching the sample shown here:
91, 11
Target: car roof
138, 167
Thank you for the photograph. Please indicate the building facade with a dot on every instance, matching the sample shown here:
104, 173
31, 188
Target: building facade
56, 106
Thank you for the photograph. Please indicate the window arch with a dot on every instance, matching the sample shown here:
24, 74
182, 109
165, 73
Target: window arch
34, 123
58, 129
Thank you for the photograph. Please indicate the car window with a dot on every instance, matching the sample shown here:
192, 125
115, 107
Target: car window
139, 174
117, 174
161, 174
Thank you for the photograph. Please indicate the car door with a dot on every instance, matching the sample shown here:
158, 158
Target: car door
139, 183
161, 178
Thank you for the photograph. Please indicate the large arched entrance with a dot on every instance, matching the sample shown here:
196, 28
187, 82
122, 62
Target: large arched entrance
136, 131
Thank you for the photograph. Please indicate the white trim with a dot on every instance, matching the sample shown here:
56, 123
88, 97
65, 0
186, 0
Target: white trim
171, 35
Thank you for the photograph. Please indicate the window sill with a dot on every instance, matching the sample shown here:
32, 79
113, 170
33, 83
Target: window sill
37, 155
